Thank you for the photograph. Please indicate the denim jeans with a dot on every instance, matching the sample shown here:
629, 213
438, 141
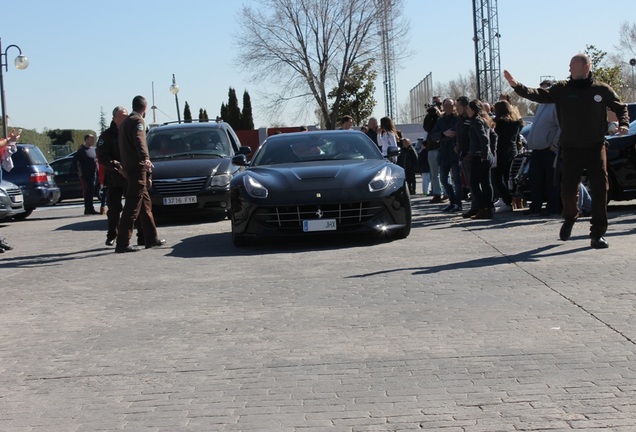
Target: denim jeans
454, 191
436, 184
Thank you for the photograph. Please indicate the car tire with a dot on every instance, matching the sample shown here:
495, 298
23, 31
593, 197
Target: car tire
240, 240
23, 216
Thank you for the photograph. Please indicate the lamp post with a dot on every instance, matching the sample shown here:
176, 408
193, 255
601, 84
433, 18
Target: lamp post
632, 63
20, 62
174, 89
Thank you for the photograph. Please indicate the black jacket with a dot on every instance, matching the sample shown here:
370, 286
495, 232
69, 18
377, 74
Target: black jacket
109, 156
581, 108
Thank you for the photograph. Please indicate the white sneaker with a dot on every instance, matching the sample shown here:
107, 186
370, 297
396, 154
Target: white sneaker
503, 208
499, 203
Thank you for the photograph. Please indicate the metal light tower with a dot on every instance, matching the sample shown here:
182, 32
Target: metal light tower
20, 62
488, 65
385, 14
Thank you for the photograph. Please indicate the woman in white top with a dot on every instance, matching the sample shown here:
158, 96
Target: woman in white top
388, 135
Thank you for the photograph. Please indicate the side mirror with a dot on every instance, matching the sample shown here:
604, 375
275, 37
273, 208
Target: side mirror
393, 151
240, 160
245, 150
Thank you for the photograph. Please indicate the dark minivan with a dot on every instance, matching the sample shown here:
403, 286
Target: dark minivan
193, 166
32, 172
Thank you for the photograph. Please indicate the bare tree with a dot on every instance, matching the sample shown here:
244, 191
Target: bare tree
305, 48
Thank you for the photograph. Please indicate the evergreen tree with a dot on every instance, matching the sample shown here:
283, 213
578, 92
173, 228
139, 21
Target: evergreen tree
187, 115
247, 119
201, 118
103, 124
356, 95
205, 116
233, 110
224, 112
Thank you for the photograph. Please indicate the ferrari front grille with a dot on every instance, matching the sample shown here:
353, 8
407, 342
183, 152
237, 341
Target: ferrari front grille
345, 214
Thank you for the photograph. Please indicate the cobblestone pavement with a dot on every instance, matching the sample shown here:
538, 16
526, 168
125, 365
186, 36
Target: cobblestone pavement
465, 326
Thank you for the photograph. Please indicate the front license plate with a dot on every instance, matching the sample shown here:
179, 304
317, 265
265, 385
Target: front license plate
17, 199
319, 225
180, 200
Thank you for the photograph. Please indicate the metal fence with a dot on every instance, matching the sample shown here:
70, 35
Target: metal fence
420, 96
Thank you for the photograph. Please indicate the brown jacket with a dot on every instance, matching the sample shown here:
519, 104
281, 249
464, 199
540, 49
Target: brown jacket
132, 143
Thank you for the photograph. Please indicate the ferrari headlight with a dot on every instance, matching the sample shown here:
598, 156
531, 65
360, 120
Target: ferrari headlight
254, 188
382, 179
220, 180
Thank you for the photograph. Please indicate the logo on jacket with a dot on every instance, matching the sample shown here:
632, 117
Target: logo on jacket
597, 98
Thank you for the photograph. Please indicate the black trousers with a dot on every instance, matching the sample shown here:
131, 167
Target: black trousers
594, 162
88, 190
542, 182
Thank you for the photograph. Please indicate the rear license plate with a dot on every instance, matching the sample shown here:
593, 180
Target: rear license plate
319, 225
180, 200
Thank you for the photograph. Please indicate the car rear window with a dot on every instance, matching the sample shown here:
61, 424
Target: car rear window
28, 156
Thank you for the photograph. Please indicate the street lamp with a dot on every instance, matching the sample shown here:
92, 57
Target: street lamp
632, 63
174, 89
20, 62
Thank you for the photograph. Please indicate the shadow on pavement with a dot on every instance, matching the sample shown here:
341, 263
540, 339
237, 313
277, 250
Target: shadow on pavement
45, 260
527, 256
220, 245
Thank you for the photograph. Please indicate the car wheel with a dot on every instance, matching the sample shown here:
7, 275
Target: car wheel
23, 216
240, 240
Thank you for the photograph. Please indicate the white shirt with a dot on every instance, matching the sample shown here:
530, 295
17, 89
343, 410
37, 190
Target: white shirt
386, 140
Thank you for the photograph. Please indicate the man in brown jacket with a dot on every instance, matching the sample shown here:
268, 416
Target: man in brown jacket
136, 164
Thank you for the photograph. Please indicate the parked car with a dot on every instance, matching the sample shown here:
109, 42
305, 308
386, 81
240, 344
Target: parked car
621, 169
11, 200
32, 172
317, 183
67, 179
193, 166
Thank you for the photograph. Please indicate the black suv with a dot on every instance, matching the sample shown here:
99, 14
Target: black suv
192, 166
31, 171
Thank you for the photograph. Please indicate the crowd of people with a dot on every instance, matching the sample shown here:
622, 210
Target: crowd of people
470, 145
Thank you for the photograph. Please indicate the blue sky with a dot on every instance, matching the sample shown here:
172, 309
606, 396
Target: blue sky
88, 55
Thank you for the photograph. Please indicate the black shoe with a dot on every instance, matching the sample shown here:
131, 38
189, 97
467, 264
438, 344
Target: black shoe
156, 243
470, 213
566, 229
110, 242
448, 208
124, 249
599, 243
1, 250
5, 246
91, 212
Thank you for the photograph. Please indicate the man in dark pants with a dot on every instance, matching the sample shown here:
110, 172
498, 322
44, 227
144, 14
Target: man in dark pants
543, 141
136, 164
86, 169
109, 157
581, 104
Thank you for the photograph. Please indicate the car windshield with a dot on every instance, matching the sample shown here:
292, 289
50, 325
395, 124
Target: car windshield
313, 146
188, 141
